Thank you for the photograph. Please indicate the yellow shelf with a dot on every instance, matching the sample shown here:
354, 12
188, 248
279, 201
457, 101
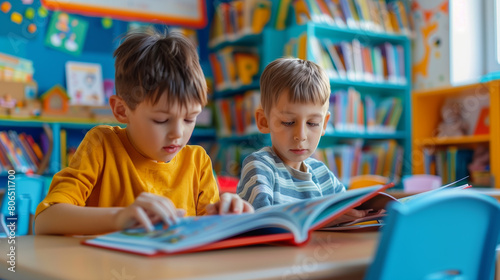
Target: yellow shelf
447, 90
427, 116
472, 139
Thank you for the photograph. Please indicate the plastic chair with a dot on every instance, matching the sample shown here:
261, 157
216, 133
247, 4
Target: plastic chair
451, 234
421, 183
28, 193
362, 181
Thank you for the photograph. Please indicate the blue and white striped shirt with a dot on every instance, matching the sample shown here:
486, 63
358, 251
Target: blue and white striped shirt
266, 180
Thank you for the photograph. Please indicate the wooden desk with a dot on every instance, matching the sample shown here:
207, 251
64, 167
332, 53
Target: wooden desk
326, 256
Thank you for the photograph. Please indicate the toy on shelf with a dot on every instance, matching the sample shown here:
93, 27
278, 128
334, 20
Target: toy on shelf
452, 124
18, 99
7, 101
56, 104
55, 101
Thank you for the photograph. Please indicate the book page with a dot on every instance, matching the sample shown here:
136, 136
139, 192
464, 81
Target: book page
311, 213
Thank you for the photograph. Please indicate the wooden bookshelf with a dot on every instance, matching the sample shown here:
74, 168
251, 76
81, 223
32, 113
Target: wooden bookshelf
426, 117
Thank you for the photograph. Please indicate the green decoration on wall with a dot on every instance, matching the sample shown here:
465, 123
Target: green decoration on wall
66, 33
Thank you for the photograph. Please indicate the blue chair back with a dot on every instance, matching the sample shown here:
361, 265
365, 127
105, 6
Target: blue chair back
20, 202
451, 234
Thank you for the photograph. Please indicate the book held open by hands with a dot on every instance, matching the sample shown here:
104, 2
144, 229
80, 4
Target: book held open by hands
291, 223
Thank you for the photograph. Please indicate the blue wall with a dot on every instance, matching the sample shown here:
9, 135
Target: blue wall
49, 64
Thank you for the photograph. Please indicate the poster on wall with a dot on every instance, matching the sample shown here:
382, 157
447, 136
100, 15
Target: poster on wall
84, 83
431, 55
66, 33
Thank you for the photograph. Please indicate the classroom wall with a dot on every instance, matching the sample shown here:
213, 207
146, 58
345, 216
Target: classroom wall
49, 64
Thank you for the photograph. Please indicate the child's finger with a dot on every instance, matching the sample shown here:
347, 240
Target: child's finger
159, 205
225, 204
236, 205
168, 207
356, 213
180, 212
142, 218
247, 207
156, 209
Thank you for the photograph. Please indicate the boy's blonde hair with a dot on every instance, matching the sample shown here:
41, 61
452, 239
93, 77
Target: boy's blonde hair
304, 81
149, 64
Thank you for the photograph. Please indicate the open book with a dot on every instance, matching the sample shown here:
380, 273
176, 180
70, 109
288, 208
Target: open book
291, 223
379, 203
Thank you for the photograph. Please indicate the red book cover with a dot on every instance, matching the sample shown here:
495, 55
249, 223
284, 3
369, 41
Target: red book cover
483, 122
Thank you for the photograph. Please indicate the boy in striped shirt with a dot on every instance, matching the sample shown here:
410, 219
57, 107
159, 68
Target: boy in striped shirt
294, 111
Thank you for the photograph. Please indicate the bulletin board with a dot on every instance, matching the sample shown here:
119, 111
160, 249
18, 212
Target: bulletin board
189, 13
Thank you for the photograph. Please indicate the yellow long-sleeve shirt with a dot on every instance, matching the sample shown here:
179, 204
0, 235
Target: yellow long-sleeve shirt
107, 171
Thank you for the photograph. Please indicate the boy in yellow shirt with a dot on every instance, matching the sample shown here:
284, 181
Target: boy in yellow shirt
144, 173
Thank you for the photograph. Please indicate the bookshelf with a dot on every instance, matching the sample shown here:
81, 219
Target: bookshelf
309, 38
74, 132
235, 56
427, 116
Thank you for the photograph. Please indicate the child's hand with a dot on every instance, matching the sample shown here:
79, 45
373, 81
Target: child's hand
147, 210
350, 215
229, 203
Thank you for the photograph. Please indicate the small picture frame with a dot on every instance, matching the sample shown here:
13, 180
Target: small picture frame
84, 83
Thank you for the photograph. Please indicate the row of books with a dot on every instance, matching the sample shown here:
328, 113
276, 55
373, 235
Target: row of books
235, 19
383, 116
369, 15
17, 69
234, 66
451, 163
355, 61
296, 47
350, 114
19, 152
384, 158
236, 115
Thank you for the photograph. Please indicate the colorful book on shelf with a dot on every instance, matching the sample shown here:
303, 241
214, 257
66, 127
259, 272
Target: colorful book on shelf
10, 152
334, 56
282, 14
482, 126
21, 151
261, 14
290, 223
335, 11
36, 148
302, 13
4, 160
63, 148
27, 147
385, 16
348, 14
357, 57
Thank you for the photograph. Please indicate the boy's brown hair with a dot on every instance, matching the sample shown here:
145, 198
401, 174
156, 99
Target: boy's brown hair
149, 64
304, 81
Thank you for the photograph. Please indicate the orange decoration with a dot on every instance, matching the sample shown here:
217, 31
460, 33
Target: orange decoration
5, 7
32, 28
